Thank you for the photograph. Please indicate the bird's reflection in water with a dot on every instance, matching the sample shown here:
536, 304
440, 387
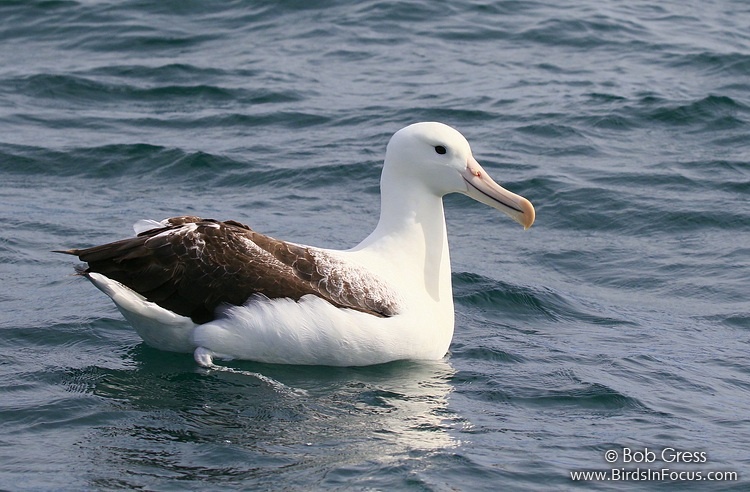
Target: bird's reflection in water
169, 417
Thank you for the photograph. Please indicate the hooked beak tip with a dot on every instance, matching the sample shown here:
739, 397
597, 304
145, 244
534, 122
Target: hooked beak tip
529, 214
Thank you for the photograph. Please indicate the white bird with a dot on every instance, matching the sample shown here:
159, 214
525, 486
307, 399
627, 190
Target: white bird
220, 289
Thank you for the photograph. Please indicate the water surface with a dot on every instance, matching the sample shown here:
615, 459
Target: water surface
621, 319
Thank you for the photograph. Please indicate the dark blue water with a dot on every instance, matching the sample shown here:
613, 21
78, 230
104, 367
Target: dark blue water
620, 321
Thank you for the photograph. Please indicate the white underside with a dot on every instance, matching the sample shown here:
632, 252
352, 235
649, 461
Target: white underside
309, 332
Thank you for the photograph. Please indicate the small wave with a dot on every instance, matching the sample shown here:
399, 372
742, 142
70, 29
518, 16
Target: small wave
592, 32
594, 396
104, 161
710, 110
487, 354
565, 392
520, 302
712, 62
74, 89
168, 72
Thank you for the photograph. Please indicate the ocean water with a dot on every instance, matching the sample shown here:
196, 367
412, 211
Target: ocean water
619, 322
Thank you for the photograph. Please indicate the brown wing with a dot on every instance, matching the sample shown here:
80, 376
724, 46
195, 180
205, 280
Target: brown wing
193, 265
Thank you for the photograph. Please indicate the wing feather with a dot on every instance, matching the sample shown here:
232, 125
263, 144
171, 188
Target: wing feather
192, 265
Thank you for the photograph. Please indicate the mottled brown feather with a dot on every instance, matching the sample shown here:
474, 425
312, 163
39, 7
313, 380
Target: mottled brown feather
192, 269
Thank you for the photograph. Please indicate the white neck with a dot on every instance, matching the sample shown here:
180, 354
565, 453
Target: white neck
411, 234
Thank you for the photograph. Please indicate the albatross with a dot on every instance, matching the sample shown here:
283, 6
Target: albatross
219, 289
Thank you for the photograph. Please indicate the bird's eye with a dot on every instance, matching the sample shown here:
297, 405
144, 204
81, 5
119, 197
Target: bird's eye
440, 149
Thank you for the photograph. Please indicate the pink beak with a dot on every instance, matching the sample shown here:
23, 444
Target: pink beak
482, 188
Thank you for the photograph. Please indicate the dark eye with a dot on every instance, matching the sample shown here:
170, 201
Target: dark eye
440, 149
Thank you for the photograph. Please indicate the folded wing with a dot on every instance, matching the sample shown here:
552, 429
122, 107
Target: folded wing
193, 265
